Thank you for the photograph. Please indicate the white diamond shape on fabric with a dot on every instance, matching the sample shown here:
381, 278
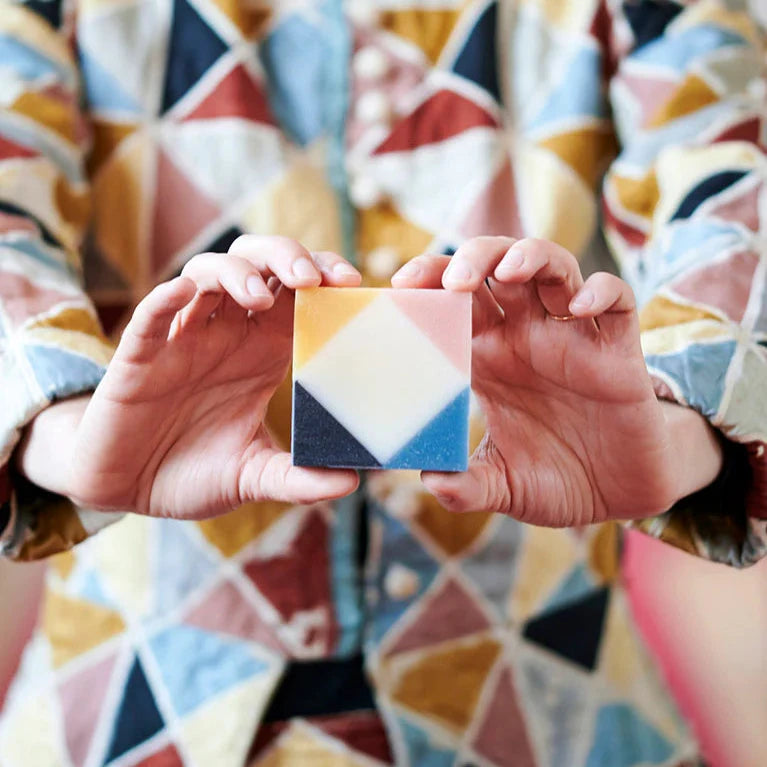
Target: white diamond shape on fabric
382, 378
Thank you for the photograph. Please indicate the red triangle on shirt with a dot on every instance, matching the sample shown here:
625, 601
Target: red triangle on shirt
10, 149
440, 117
237, 95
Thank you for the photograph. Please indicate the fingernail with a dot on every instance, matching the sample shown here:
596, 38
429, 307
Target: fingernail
512, 261
458, 272
254, 285
304, 269
408, 270
583, 300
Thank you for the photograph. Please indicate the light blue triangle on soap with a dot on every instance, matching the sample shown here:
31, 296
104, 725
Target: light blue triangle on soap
443, 444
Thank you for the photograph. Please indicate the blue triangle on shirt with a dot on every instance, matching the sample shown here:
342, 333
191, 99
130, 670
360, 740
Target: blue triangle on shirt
576, 585
319, 440
102, 89
622, 738
477, 60
193, 48
422, 750
137, 718
183, 567
443, 444
196, 665
60, 372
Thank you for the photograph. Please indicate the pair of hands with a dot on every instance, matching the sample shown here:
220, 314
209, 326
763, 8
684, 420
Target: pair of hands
575, 434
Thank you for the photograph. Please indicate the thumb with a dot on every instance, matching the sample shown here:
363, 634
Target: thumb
271, 475
483, 487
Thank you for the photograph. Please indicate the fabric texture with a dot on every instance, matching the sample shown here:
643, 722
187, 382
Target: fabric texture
377, 130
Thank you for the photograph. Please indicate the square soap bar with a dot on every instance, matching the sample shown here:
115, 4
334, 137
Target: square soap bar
381, 378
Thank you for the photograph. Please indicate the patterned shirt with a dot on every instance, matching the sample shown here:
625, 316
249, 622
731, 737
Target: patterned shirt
136, 133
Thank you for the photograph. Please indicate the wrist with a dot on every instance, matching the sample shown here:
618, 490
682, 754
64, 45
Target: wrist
45, 452
697, 448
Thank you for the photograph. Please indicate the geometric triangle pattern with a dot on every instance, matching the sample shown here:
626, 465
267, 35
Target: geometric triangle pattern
183, 655
319, 439
645, 744
138, 718
380, 136
572, 631
398, 396
82, 700
503, 737
193, 48
448, 613
476, 59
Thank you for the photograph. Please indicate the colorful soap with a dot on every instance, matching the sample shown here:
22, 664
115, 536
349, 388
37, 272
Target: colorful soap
381, 378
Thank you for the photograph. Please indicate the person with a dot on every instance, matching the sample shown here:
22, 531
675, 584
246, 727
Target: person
254, 149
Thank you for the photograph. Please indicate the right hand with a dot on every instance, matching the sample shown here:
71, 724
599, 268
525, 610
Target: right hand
176, 426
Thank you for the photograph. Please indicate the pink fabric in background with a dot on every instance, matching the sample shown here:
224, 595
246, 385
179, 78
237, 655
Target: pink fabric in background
707, 625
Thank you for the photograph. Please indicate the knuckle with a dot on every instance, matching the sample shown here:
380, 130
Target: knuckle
288, 247
239, 243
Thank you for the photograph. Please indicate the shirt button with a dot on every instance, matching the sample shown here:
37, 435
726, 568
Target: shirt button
373, 107
401, 582
365, 192
370, 63
381, 263
362, 12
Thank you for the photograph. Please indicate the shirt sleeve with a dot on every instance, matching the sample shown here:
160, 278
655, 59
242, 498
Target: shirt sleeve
51, 344
684, 206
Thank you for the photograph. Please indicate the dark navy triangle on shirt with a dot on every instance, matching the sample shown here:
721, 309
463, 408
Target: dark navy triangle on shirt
223, 241
573, 631
707, 188
50, 10
137, 718
648, 19
193, 48
320, 440
478, 58
443, 444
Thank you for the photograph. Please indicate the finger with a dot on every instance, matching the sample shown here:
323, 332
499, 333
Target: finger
550, 268
273, 476
216, 275
426, 272
474, 262
150, 324
480, 488
287, 259
611, 302
336, 271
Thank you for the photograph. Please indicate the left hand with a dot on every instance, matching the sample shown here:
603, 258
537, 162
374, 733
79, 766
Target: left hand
575, 433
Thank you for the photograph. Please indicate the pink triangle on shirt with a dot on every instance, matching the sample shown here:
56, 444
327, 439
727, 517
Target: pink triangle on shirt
225, 610
503, 737
82, 702
448, 614
181, 212
495, 211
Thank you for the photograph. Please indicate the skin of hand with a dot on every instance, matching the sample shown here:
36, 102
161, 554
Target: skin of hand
176, 426
575, 434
